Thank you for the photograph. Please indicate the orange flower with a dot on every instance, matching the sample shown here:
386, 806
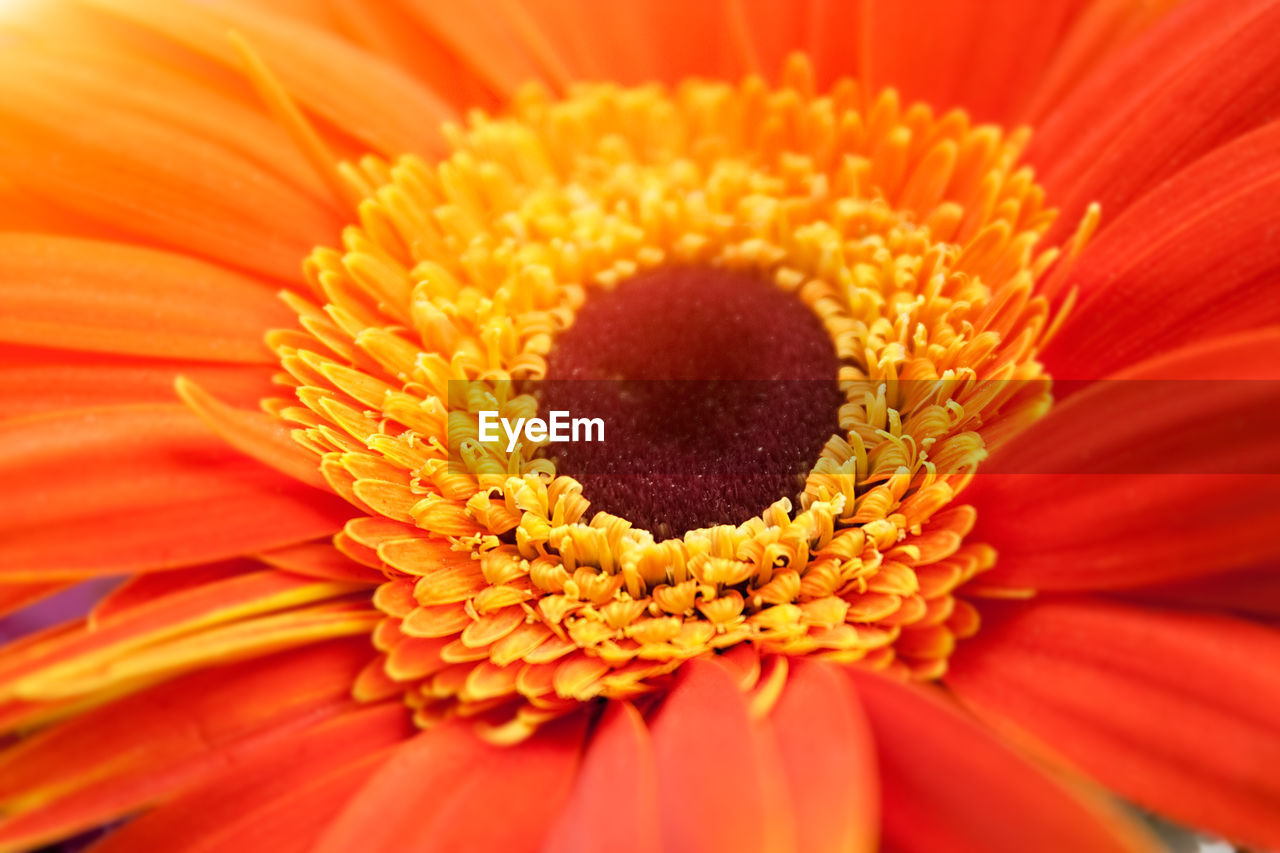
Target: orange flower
263, 268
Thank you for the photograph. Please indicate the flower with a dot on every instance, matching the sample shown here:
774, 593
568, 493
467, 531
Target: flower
348, 624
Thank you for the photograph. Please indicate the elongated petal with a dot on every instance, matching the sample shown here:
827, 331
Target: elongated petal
121, 81
16, 596
943, 776
254, 433
248, 792
711, 790
1191, 261
120, 627
1225, 90
288, 822
37, 381
1066, 105
438, 792
1251, 592
355, 90
159, 182
148, 589
139, 488
828, 754
618, 767
106, 762
321, 560
1172, 709
1114, 526
105, 297
918, 47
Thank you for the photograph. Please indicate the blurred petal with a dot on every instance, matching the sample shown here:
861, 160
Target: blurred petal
36, 381
256, 793
105, 297
107, 762
439, 791
1174, 710
1111, 525
710, 780
1190, 261
829, 759
1229, 85
942, 776
618, 768
141, 488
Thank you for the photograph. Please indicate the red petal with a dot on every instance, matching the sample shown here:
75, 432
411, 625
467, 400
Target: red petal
289, 822
440, 790
1253, 592
1108, 527
1225, 81
1174, 710
618, 768
710, 779
1190, 261
949, 785
829, 759
138, 488
109, 761
142, 590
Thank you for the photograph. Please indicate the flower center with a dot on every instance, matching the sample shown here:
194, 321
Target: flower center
710, 232
717, 388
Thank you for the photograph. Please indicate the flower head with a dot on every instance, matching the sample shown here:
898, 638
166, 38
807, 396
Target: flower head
850, 577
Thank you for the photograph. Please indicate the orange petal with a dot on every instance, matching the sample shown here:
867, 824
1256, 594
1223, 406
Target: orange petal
254, 433
142, 590
106, 297
120, 80
1173, 709
439, 790
263, 784
353, 89
828, 756
710, 786
139, 488
618, 768
117, 629
949, 785
157, 180
107, 762
35, 381
926, 50
321, 560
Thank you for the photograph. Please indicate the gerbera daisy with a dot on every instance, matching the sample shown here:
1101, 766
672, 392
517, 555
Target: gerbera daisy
267, 266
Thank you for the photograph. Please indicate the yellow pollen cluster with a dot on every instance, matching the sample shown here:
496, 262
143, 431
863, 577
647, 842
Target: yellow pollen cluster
912, 236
